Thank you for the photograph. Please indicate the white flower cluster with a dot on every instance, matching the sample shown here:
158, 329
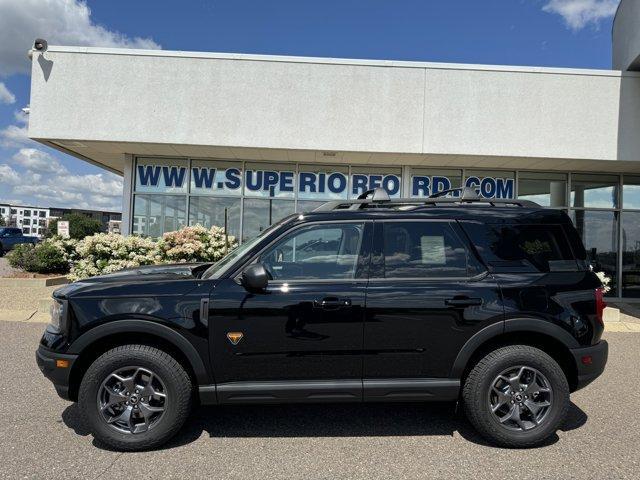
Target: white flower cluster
107, 252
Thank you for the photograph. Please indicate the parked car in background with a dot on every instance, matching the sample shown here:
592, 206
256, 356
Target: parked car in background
489, 303
11, 236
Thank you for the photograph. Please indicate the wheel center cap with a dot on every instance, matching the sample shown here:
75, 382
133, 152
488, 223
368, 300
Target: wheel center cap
518, 397
133, 399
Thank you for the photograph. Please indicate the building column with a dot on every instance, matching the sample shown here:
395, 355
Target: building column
127, 195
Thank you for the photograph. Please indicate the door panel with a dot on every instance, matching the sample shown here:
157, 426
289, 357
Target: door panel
287, 333
308, 323
415, 329
427, 296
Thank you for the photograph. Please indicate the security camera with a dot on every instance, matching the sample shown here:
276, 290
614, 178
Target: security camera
40, 45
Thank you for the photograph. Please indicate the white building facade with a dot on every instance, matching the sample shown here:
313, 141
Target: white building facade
32, 220
243, 140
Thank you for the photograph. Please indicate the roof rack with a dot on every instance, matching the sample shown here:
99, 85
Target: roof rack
379, 198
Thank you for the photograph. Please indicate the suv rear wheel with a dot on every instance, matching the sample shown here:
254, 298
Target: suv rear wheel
516, 396
135, 397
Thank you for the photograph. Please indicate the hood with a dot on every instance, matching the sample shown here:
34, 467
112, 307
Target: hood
137, 275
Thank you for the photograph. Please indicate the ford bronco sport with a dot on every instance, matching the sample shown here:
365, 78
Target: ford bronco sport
490, 303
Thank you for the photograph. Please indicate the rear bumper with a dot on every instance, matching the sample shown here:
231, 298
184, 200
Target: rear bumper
46, 360
588, 371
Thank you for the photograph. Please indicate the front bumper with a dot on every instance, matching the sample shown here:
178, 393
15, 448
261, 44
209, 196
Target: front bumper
588, 371
60, 376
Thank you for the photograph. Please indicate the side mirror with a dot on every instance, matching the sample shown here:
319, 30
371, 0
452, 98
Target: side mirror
255, 277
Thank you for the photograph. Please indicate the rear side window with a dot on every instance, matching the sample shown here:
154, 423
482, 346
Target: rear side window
523, 248
415, 249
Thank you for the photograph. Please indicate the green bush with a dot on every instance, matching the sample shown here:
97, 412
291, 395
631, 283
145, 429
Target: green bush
80, 226
45, 257
23, 256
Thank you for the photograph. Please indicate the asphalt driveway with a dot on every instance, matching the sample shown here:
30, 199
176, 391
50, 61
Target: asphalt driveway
41, 436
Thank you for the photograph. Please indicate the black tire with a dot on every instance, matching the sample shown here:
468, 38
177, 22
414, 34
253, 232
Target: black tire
479, 382
177, 388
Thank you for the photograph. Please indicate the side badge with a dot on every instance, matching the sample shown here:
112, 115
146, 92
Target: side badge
234, 337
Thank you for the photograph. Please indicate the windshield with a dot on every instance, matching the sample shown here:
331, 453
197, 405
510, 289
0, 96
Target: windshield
221, 266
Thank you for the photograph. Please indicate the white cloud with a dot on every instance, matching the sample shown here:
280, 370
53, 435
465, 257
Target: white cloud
38, 161
14, 136
6, 96
577, 14
8, 175
60, 22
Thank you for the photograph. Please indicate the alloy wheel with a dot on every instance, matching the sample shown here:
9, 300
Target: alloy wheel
520, 398
132, 400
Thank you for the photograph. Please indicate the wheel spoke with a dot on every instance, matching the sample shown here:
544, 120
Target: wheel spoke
115, 398
125, 416
127, 382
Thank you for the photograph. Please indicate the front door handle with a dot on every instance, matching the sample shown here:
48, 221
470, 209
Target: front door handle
463, 302
332, 303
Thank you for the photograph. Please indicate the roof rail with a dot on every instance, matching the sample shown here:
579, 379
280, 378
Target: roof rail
466, 193
376, 199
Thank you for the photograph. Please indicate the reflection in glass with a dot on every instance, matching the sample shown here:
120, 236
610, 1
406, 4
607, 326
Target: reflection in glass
598, 230
631, 192
154, 215
260, 213
210, 211
546, 189
631, 254
594, 191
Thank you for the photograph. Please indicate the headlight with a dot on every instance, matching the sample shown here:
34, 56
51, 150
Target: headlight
58, 314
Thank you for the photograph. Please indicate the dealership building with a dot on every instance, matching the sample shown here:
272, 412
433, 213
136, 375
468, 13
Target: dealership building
209, 138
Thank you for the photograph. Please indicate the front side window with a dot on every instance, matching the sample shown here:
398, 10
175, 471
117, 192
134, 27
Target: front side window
317, 252
417, 249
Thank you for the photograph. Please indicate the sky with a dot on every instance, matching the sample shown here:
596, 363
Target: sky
548, 33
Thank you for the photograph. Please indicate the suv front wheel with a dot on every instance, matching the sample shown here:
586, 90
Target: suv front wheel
135, 397
516, 396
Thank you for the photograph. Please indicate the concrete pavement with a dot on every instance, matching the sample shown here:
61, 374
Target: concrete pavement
41, 436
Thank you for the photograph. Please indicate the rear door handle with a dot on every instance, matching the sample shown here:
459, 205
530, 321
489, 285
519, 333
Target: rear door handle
463, 302
332, 303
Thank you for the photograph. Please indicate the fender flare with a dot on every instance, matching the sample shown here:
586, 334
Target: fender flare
149, 327
512, 325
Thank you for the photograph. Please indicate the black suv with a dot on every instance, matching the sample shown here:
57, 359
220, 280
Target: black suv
487, 302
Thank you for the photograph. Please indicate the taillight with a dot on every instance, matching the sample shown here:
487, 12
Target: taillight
600, 305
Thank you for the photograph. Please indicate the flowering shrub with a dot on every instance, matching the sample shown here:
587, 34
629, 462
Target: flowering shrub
195, 244
108, 252
605, 281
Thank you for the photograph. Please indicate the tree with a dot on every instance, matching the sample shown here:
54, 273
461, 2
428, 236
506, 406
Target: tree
80, 226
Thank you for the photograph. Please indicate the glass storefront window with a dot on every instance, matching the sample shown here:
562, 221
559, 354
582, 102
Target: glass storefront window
599, 233
270, 180
631, 254
594, 191
318, 182
154, 215
307, 205
161, 175
491, 183
210, 211
546, 189
260, 213
427, 181
371, 177
216, 178
631, 192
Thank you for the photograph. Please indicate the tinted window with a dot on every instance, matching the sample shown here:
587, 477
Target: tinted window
423, 249
315, 252
534, 248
